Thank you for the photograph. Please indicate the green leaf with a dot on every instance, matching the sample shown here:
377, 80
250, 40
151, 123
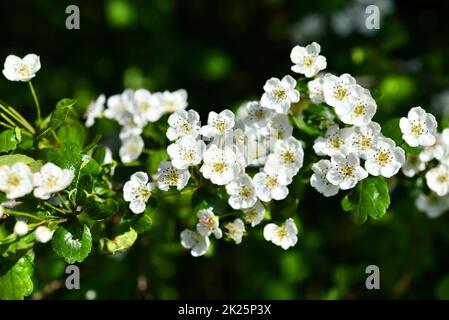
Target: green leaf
156, 157
16, 283
9, 160
119, 243
8, 140
369, 197
142, 222
72, 132
99, 208
314, 119
72, 241
59, 115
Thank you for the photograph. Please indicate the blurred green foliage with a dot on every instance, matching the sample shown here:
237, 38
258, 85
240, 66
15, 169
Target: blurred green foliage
222, 52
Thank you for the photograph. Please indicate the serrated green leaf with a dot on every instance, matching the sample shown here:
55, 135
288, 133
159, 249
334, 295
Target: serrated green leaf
8, 140
9, 160
119, 243
59, 115
369, 197
16, 283
72, 132
99, 208
72, 241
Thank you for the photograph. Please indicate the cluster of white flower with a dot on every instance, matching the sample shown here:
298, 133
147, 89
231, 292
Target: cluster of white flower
346, 146
133, 110
17, 180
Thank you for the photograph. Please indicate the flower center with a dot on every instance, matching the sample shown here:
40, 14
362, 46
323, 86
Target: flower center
280, 94
271, 182
208, 221
144, 193
23, 70
51, 182
172, 178
417, 129
336, 142
188, 155
185, 128
347, 171
340, 93
365, 142
145, 106
288, 157
383, 157
281, 232
220, 125
245, 192
359, 110
220, 167
259, 114
13, 180
442, 178
308, 61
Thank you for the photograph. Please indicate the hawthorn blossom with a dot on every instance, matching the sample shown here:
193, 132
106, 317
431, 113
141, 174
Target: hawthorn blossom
194, 241
147, 106
438, 180
419, 128
131, 148
169, 176
173, 101
16, 180
255, 214
186, 152
385, 159
307, 60
319, 181
94, 110
120, 107
279, 94
338, 91
137, 191
284, 235
43, 234
361, 109
17, 69
288, 155
218, 123
183, 123
335, 141
219, 165
21, 228
51, 179
279, 128
364, 138
271, 183
257, 115
412, 165
236, 229
242, 193
208, 223
345, 171
432, 205
315, 87
439, 149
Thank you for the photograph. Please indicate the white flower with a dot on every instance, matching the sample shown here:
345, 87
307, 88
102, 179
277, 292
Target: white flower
183, 123
43, 234
307, 60
271, 183
288, 155
17, 69
279, 94
242, 192
412, 166
218, 123
257, 116
284, 235
235, 230
21, 228
208, 223
316, 89
335, 141
220, 166
419, 128
279, 128
255, 214
173, 101
137, 191
438, 180
16, 180
186, 152
385, 159
361, 109
319, 181
51, 179
94, 110
120, 107
131, 148
432, 205
438, 150
197, 243
338, 91
345, 171
169, 176
363, 139
147, 106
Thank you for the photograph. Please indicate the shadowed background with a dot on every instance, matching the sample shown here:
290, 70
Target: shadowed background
222, 52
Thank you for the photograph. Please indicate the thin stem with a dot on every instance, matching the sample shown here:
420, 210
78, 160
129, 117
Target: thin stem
55, 208
23, 121
24, 214
60, 197
7, 119
6, 125
36, 101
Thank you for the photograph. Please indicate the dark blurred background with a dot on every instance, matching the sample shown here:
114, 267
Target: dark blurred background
222, 52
